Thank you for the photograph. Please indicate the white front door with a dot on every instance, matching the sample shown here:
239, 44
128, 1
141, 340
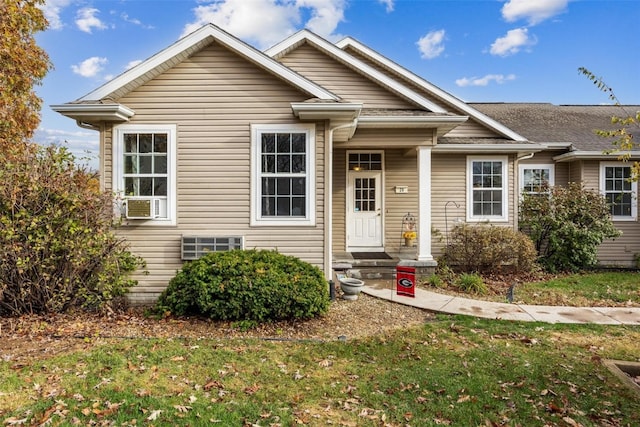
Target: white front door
364, 211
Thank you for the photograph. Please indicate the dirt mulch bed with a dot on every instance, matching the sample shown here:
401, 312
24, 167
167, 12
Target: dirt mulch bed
29, 337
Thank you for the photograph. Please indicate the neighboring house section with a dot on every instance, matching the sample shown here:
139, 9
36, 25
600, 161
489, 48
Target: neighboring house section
314, 149
575, 153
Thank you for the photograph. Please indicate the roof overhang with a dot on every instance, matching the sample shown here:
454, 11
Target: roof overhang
593, 155
444, 124
326, 110
95, 113
488, 148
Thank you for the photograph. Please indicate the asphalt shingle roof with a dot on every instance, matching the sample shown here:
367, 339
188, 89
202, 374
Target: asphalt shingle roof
575, 124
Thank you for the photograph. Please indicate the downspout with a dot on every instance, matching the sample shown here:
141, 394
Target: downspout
85, 125
516, 186
328, 204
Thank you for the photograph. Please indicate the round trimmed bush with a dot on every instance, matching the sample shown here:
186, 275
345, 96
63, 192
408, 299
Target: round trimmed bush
258, 285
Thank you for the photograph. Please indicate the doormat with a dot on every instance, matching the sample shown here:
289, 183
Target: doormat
370, 255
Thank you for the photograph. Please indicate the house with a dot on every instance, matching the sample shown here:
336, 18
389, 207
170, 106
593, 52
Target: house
315, 149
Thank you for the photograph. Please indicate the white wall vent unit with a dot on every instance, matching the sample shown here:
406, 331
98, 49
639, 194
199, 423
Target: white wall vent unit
142, 208
193, 247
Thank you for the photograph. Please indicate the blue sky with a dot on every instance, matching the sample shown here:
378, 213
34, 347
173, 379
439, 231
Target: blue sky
478, 50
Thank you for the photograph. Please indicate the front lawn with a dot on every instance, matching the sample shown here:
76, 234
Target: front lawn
450, 371
599, 289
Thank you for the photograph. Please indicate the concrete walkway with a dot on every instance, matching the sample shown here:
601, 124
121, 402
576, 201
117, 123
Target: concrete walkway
433, 301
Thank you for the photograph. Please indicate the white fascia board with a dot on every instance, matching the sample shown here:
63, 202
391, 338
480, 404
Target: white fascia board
488, 148
224, 38
117, 112
326, 110
590, 155
355, 63
447, 97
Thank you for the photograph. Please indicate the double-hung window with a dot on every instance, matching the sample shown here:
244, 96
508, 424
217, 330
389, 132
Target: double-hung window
144, 171
536, 179
283, 174
487, 188
619, 191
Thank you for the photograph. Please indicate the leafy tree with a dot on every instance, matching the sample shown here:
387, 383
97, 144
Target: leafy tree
567, 226
623, 141
23, 64
57, 247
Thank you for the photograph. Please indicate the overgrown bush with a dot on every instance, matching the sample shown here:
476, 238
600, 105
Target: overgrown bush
257, 285
57, 247
567, 226
488, 248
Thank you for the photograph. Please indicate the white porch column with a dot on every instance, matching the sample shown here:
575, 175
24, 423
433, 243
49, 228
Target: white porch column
424, 204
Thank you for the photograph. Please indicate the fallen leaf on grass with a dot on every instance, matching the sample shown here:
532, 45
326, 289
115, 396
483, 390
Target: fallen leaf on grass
154, 415
182, 408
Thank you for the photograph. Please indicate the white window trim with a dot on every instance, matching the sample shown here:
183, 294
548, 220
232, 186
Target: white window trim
523, 166
505, 189
256, 205
634, 191
118, 167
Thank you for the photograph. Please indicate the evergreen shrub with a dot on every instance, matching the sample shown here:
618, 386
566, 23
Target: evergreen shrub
253, 285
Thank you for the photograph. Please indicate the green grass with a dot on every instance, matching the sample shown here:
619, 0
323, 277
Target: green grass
453, 371
599, 288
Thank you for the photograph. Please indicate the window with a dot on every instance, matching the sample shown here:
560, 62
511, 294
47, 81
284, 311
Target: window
144, 170
283, 179
365, 161
487, 188
535, 178
618, 190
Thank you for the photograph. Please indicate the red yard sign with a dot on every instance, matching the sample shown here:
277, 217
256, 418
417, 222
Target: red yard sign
406, 281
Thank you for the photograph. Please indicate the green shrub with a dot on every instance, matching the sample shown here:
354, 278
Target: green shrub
488, 248
472, 283
257, 285
436, 281
567, 226
57, 246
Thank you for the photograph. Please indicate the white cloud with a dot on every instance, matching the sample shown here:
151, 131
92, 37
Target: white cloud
89, 67
125, 17
132, 64
266, 22
86, 19
52, 10
431, 45
484, 81
84, 145
512, 42
534, 11
388, 4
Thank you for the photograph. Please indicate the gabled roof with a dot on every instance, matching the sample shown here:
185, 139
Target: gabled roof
433, 90
185, 47
306, 36
574, 125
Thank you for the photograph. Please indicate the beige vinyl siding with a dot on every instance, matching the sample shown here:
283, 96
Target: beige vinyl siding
400, 170
471, 128
575, 171
340, 79
213, 98
619, 251
339, 200
449, 186
389, 138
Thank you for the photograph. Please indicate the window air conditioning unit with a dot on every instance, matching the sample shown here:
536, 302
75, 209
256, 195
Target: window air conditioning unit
142, 208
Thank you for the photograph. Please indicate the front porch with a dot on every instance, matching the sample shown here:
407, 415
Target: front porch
376, 268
